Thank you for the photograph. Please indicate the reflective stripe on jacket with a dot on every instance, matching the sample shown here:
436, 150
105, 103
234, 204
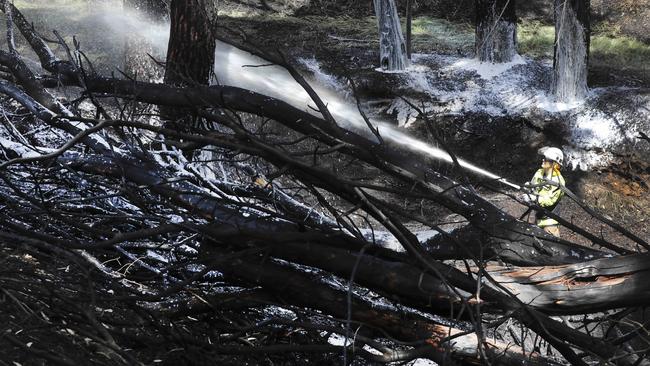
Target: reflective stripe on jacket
548, 195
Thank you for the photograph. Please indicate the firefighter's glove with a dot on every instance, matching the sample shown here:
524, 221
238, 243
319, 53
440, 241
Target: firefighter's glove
528, 198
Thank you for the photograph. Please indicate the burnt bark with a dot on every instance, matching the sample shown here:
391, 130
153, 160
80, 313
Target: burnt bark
585, 287
496, 30
571, 55
392, 48
190, 54
296, 288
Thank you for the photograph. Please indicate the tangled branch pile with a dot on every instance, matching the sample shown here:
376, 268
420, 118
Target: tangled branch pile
250, 230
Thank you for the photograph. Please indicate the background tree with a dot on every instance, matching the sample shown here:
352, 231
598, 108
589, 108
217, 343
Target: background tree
392, 48
571, 57
496, 30
190, 54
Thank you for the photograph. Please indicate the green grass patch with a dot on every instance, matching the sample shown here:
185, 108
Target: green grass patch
360, 28
440, 33
620, 52
535, 39
364, 29
31, 4
429, 34
608, 47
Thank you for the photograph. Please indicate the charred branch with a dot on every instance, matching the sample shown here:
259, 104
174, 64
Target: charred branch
183, 250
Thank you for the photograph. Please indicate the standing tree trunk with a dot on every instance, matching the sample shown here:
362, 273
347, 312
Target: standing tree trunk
392, 48
571, 57
409, 21
496, 30
190, 54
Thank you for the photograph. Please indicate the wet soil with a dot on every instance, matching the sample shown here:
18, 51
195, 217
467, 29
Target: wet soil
35, 330
620, 191
507, 146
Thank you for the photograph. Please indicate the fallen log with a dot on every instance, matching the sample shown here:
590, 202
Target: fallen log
527, 244
580, 288
240, 225
587, 287
524, 240
297, 289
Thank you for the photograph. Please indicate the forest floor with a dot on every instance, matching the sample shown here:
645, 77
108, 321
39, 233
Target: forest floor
346, 46
619, 43
620, 191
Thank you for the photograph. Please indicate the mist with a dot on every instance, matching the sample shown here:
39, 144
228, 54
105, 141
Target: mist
102, 29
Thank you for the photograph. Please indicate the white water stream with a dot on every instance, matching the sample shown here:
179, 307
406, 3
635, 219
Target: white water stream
235, 67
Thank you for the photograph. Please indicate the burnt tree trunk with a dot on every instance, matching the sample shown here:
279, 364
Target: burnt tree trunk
296, 288
571, 59
496, 30
586, 287
392, 48
190, 54
409, 30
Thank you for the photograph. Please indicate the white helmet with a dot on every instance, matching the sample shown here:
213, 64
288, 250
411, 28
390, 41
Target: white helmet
552, 153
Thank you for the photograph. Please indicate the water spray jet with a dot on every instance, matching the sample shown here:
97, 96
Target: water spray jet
275, 81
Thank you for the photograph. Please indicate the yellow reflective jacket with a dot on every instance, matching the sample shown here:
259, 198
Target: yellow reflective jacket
548, 195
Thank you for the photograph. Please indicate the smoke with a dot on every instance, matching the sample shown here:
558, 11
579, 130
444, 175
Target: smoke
235, 67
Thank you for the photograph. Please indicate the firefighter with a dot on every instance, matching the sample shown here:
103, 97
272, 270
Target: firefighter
544, 195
